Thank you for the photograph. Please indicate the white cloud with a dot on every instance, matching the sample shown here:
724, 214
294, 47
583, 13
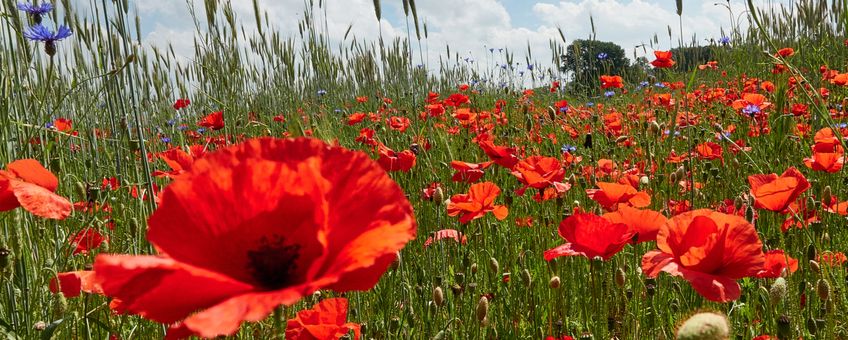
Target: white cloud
468, 26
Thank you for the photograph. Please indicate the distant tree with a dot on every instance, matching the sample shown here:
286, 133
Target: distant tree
586, 60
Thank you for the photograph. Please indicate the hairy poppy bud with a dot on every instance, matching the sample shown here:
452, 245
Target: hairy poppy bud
482, 310
5, 259
784, 327
823, 289
555, 282
473, 268
704, 326
827, 195
777, 291
494, 265
60, 305
815, 267
620, 277
526, 278
438, 195
438, 296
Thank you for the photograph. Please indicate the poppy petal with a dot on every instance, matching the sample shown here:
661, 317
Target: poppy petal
40, 201
33, 172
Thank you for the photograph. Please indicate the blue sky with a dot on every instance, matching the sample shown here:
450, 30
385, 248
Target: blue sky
469, 26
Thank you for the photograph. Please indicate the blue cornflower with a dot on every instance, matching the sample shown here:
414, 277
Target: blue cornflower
530, 67
171, 122
724, 40
568, 148
751, 110
644, 84
35, 11
41, 33
660, 85
201, 130
182, 127
491, 50
609, 94
48, 125
165, 140
563, 109
520, 73
602, 56
590, 104
668, 132
322, 92
337, 110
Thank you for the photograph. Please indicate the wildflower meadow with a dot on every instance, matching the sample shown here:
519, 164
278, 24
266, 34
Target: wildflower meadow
313, 186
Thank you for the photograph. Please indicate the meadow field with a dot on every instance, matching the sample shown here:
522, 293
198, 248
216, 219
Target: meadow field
311, 186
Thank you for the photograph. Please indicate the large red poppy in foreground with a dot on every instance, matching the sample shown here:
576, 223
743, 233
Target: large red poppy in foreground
25, 183
709, 249
776, 193
258, 225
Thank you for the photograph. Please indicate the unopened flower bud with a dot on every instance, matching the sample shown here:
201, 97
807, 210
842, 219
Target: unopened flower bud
620, 277
555, 282
823, 289
438, 296
494, 266
482, 310
704, 326
777, 292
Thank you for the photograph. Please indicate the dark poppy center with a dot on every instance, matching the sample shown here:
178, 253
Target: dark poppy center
273, 263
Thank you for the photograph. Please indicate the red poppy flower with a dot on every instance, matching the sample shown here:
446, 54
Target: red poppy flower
399, 124
456, 99
611, 194
25, 183
751, 104
257, 225
394, 161
831, 258
178, 160
709, 150
645, 223
86, 240
214, 121
446, 234
775, 193
72, 284
468, 172
326, 320
181, 103
786, 52
540, 172
709, 249
355, 118
776, 264
63, 125
501, 155
611, 81
479, 200
663, 59
591, 236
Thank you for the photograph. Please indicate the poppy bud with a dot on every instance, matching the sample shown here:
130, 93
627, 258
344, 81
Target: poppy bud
459, 278
827, 195
494, 265
644, 180
823, 289
738, 203
587, 143
784, 327
655, 128
777, 291
812, 327
620, 277
457, 289
438, 296
650, 287
5, 259
414, 148
394, 323
82, 191
811, 252
60, 305
750, 214
438, 195
826, 238
482, 310
621, 138
673, 177
39, 325
473, 268
815, 267
526, 278
555, 282
704, 326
